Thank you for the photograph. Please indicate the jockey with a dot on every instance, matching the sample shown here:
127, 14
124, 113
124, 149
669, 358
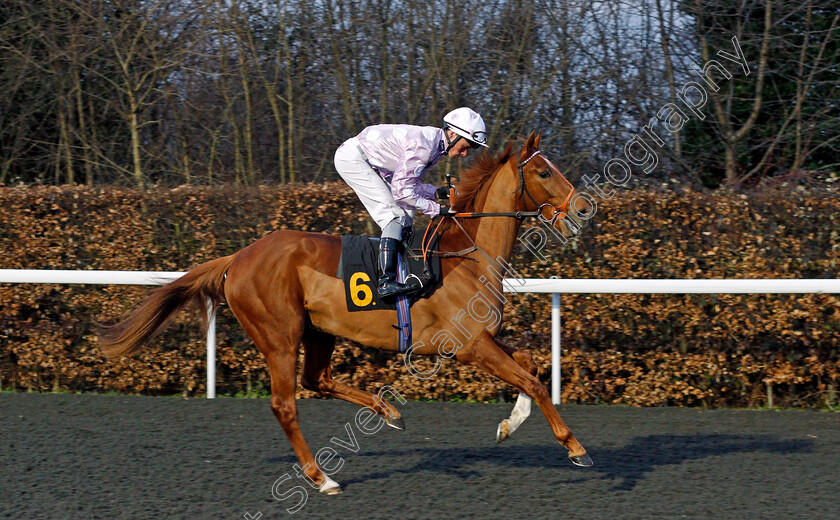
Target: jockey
384, 165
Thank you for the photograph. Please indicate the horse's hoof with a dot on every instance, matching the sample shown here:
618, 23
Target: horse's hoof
503, 431
583, 461
330, 487
394, 422
332, 491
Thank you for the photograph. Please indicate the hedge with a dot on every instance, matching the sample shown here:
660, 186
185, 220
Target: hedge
644, 350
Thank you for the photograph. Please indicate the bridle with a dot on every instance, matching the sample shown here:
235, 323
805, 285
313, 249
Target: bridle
522, 191
523, 187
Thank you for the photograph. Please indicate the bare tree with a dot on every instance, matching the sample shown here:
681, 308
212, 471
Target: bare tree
169, 91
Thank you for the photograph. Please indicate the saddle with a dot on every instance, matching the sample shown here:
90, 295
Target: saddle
359, 269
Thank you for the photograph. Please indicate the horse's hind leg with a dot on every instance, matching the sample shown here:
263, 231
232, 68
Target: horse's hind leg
318, 350
522, 408
279, 343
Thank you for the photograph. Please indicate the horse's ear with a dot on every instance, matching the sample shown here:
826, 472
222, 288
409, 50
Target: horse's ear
537, 140
529, 143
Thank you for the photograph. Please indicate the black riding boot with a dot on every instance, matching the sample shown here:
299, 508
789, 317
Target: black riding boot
388, 285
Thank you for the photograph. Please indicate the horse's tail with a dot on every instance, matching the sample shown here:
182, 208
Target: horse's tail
202, 283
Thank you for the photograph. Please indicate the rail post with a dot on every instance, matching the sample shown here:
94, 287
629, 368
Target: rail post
211, 350
555, 348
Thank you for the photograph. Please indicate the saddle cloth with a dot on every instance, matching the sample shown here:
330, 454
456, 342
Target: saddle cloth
359, 268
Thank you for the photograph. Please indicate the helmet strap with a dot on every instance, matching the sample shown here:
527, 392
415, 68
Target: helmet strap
450, 144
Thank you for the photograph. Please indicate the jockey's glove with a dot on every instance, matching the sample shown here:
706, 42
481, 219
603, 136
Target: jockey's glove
446, 210
443, 192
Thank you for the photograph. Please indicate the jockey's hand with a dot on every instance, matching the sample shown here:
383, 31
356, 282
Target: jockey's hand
446, 210
443, 192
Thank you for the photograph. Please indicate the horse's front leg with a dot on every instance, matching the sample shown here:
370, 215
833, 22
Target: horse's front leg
522, 408
485, 353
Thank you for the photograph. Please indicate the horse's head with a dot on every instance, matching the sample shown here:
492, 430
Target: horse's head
541, 187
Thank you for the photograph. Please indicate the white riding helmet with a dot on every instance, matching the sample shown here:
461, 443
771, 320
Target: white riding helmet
468, 124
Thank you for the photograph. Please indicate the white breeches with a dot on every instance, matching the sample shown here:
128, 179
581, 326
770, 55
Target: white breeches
372, 190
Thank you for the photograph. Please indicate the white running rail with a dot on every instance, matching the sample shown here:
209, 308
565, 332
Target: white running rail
635, 286
526, 285
118, 278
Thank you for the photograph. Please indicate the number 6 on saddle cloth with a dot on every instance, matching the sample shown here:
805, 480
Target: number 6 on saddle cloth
359, 269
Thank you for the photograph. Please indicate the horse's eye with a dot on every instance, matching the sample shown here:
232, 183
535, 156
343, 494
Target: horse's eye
545, 174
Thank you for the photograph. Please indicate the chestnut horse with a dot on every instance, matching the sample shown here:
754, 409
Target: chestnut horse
284, 292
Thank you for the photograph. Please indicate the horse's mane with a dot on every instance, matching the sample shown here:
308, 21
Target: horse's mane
476, 176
